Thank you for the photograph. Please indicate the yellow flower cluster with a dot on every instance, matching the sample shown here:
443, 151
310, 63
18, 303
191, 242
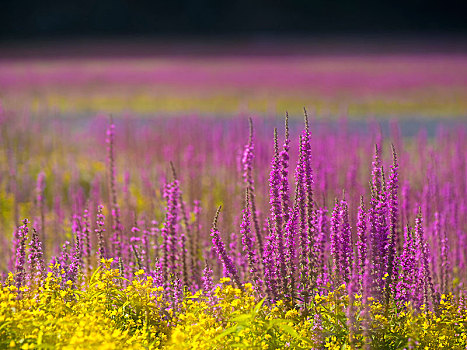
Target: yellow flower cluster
103, 315
108, 312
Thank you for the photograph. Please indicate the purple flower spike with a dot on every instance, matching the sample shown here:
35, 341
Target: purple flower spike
345, 241
100, 223
276, 213
20, 240
247, 162
208, 284
36, 259
361, 242
225, 258
247, 242
115, 209
335, 240
393, 209
284, 172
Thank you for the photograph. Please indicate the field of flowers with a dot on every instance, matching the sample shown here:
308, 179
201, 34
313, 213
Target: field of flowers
202, 232
210, 234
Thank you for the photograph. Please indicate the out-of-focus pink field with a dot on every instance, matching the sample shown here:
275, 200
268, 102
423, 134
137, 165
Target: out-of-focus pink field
354, 86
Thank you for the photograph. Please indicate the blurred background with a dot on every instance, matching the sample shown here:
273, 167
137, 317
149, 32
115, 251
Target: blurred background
356, 59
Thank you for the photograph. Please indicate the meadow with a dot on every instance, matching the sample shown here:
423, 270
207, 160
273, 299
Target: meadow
194, 228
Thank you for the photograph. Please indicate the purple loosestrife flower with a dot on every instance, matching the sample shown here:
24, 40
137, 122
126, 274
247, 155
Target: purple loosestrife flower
75, 261
76, 228
21, 236
208, 284
36, 259
169, 231
345, 241
444, 258
323, 232
276, 213
86, 239
157, 273
382, 237
284, 173
247, 162
376, 174
115, 210
290, 246
64, 262
187, 228
310, 214
300, 179
425, 282
100, 229
270, 268
393, 201
225, 258
335, 241
393, 211
378, 232
361, 242
407, 270
247, 242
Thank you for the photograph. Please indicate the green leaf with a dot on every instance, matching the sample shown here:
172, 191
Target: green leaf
226, 332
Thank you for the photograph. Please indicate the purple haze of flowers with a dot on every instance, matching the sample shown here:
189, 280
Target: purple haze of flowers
229, 267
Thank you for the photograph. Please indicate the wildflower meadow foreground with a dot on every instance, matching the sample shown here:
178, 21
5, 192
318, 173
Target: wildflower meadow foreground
191, 233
